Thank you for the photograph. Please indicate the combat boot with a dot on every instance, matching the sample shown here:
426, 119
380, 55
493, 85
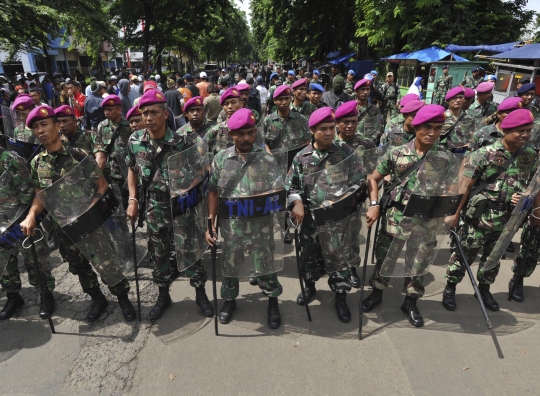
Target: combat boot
375, 298
14, 302
343, 313
99, 303
274, 317
287, 238
253, 281
354, 279
310, 291
488, 299
127, 307
225, 315
49, 300
411, 310
163, 302
449, 296
202, 301
517, 295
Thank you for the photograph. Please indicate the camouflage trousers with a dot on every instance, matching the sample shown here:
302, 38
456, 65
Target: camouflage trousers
124, 193
391, 108
80, 266
269, 285
472, 240
529, 251
439, 99
312, 260
11, 280
162, 251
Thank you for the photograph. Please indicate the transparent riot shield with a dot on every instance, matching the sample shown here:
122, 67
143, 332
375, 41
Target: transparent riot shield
371, 127
91, 215
189, 173
520, 212
221, 140
252, 203
19, 138
7, 120
119, 156
414, 224
458, 138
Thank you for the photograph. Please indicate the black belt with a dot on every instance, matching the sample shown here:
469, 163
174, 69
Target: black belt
159, 196
398, 205
500, 206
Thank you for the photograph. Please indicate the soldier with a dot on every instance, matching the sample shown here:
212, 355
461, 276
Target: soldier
197, 125
134, 117
458, 126
47, 167
274, 83
299, 103
147, 154
369, 115
443, 85
347, 132
315, 95
473, 80
403, 133
317, 78
527, 94
469, 95
490, 133
291, 78
21, 189
244, 94
71, 134
397, 120
243, 132
349, 83
428, 125
323, 151
392, 95
483, 107
22, 106
336, 96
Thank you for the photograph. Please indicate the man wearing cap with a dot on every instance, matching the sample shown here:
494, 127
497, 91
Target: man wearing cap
469, 95
70, 132
458, 126
291, 78
281, 75
275, 82
392, 95
369, 115
487, 213
315, 95
473, 80
112, 89
398, 119
203, 85
197, 125
482, 107
244, 90
347, 124
189, 80
147, 153
403, 133
442, 86
428, 124
134, 117
336, 96
223, 77
349, 83
299, 103
134, 92
23, 105
527, 93
243, 132
47, 167
109, 143
375, 79
93, 112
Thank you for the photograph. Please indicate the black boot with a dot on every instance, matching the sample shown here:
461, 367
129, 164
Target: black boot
517, 295
253, 281
50, 304
510, 248
127, 307
411, 310
163, 302
354, 279
310, 291
449, 296
343, 313
375, 298
99, 303
202, 301
225, 315
274, 317
14, 302
488, 299
287, 238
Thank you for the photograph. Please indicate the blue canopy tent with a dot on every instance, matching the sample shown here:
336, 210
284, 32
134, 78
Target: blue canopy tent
427, 55
490, 48
341, 59
529, 51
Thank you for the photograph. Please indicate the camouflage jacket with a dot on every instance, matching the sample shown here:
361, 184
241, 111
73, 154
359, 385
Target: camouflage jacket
290, 132
192, 134
370, 122
306, 108
460, 136
471, 82
391, 92
16, 189
83, 140
485, 136
270, 98
24, 134
396, 136
101, 141
223, 116
218, 138
349, 87
443, 84
480, 112
394, 121
356, 141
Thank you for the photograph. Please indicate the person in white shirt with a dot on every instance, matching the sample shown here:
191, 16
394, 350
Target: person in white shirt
263, 92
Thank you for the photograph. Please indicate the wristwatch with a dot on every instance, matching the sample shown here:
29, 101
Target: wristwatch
374, 203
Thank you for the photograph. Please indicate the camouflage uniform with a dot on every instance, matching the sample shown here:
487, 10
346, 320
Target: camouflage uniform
471, 82
420, 235
479, 112
141, 151
356, 141
534, 141
349, 87
443, 84
48, 168
190, 134
311, 160
485, 136
270, 106
290, 132
11, 280
370, 122
392, 96
530, 241
485, 231
306, 108
225, 165
460, 135
81, 139
396, 135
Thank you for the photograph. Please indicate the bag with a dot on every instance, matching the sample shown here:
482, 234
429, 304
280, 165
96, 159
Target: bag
475, 207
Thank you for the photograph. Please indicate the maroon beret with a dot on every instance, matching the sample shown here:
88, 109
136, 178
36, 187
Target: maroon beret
407, 98
282, 90
469, 93
454, 92
485, 87
429, 113
241, 119
242, 87
196, 101
111, 100
512, 103
362, 83
134, 111
347, 109
324, 114
22, 102
228, 94
412, 106
150, 97
38, 114
299, 83
64, 111
517, 118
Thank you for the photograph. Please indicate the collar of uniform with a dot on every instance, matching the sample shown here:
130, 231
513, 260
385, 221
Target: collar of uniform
63, 151
233, 153
168, 138
204, 125
498, 145
411, 150
310, 148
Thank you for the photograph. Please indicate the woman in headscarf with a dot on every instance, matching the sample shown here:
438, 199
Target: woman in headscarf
124, 87
416, 87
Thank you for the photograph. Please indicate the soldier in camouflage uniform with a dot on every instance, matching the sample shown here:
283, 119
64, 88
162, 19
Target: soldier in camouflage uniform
392, 96
488, 211
490, 133
399, 119
71, 134
244, 94
469, 95
21, 188
197, 125
299, 103
319, 154
225, 166
403, 133
473, 80
482, 108
349, 83
315, 95
428, 125
22, 106
458, 126
143, 148
134, 117
274, 83
527, 93
369, 115
442, 86
291, 78
48, 167
346, 127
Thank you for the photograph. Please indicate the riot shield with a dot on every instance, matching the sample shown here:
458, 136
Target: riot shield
90, 213
458, 138
19, 138
252, 203
371, 127
189, 174
520, 212
434, 195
